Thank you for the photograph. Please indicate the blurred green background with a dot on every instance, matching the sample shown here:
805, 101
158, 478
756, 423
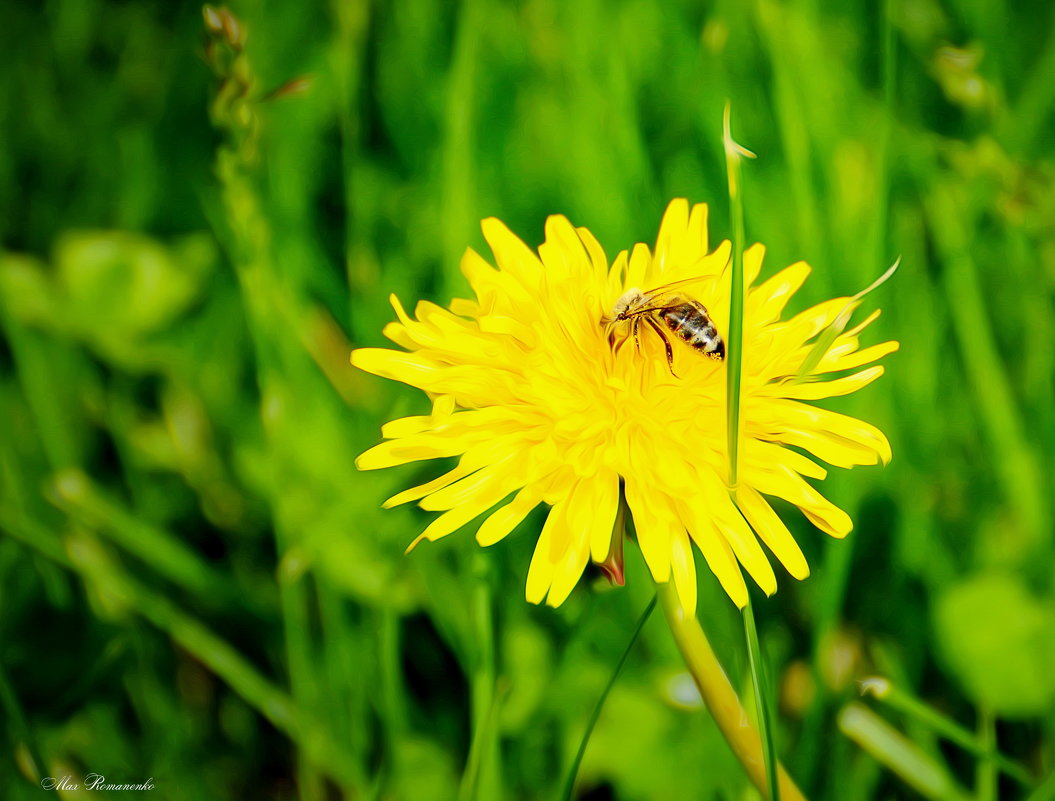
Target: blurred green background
197, 586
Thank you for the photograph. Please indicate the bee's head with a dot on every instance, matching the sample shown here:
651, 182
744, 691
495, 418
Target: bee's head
627, 301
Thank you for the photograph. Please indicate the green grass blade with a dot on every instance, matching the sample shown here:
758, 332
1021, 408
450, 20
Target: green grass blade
760, 683
828, 336
482, 777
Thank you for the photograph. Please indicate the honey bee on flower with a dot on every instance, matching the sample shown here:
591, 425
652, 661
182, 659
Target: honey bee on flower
666, 311
533, 393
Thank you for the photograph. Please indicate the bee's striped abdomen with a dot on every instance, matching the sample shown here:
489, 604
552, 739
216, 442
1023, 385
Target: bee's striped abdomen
691, 323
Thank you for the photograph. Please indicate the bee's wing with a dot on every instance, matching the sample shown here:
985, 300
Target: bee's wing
667, 301
666, 288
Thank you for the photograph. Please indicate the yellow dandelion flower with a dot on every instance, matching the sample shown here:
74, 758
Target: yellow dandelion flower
542, 405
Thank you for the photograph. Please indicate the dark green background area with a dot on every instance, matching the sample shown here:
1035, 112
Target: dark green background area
196, 585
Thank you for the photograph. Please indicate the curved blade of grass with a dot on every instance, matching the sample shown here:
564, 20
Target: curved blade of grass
573, 769
760, 684
828, 336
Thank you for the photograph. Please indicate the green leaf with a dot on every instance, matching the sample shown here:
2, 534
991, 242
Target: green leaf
999, 641
24, 288
124, 282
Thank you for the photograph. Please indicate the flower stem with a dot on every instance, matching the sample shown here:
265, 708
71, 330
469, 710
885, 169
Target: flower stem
573, 769
721, 699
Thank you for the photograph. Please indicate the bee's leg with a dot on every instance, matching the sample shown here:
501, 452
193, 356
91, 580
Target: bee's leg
666, 344
637, 336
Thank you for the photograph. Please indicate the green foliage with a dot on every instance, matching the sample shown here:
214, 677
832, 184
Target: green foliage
1000, 642
198, 586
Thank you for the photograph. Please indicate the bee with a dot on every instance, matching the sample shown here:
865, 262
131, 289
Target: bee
667, 312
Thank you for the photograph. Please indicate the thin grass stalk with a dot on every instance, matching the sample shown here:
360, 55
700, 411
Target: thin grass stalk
42, 390
342, 641
32, 535
734, 362
760, 684
458, 175
392, 707
247, 231
889, 55
790, 100
735, 334
573, 768
482, 777
294, 594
